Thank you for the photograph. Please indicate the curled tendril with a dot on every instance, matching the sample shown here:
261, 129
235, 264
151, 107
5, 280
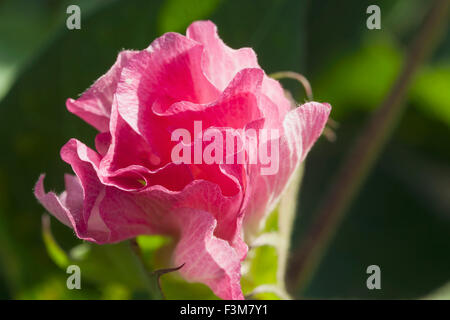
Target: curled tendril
329, 131
296, 76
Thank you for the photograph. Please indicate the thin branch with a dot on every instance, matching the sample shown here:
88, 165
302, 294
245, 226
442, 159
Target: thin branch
364, 153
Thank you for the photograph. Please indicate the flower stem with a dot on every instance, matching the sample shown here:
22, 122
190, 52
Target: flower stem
150, 279
363, 155
286, 216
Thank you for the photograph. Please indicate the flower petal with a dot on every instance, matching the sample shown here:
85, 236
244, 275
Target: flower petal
94, 106
52, 202
131, 164
69, 209
236, 106
167, 72
219, 62
206, 258
301, 128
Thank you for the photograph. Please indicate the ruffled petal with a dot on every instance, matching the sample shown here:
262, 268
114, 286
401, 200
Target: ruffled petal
168, 71
301, 128
275, 93
131, 164
52, 202
94, 106
236, 106
105, 214
219, 62
69, 209
206, 258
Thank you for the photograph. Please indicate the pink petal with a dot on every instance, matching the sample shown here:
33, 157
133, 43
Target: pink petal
105, 214
102, 142
313, 116
51, 202
131, 164
219, 62
94, 106
68, 209
236, 106
87, 222
301, 128
167, 72
207, 258
275, 93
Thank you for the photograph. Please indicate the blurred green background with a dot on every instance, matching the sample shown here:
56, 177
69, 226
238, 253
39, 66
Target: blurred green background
401, 219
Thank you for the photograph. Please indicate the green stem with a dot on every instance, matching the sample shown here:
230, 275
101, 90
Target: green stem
150, 279
363, 154
286, 216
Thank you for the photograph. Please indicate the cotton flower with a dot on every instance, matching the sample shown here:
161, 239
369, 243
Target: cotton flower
130, 184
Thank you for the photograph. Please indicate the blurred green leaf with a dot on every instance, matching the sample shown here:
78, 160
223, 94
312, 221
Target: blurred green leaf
360, 79
26, 27
156, 250
54, 288
176, 15
176, 288
80, 252
431, 92
113, 267
116, 291
153, 242
113, 263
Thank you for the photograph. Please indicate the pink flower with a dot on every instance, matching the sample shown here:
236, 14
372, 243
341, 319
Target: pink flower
130, 186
